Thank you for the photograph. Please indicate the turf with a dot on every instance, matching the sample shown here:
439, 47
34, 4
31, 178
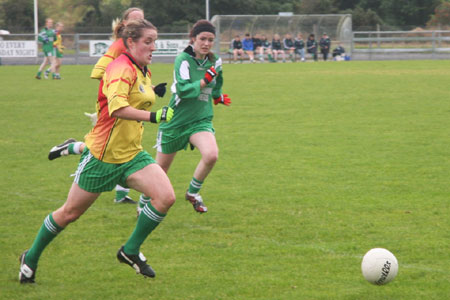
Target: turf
319, 162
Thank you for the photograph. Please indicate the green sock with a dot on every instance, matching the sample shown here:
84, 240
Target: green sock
195, 186
39, 73
143, 200
49, 230
74, 148
146, 223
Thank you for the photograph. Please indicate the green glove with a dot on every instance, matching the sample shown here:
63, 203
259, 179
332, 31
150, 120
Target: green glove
163, 114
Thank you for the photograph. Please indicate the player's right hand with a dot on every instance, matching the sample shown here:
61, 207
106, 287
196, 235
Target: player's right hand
210, 74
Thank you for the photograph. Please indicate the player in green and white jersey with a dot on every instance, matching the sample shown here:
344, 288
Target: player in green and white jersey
47, 36
197, 83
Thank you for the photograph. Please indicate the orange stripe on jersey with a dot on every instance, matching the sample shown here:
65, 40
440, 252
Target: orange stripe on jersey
121, 79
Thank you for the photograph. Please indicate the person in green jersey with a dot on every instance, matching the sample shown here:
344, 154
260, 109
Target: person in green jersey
114, 154
47, 36
197, 85
59, 50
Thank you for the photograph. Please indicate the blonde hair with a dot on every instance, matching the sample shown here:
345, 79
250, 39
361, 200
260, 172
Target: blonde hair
119, 26
134, 30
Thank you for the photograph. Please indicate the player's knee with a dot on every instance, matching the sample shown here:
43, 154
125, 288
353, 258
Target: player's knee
211, 157
168, 198
70, 215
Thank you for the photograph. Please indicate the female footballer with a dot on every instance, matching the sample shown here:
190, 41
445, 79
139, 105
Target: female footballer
197, 83
71, 146
114, 154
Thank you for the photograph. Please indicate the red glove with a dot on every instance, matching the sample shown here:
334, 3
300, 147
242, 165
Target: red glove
223, 99
210, 74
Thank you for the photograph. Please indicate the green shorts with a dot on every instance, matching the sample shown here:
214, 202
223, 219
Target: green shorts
58, 53
96, 176
171, 140
49, 53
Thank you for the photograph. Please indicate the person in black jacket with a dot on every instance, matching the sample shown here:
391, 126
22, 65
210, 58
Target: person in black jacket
311, 46
325, 44
277, 48
236, 47
299, 45
288, 44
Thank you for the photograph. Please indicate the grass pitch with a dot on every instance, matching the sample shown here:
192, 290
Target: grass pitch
319, 162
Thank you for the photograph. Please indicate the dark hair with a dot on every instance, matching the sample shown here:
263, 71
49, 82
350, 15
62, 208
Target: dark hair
118, 30
203, 26
134, 30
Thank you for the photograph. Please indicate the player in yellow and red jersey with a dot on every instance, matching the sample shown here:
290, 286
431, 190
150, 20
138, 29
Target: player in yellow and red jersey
113, 154
71, 146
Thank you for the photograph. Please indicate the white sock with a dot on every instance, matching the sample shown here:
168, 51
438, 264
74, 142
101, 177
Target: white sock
76, 147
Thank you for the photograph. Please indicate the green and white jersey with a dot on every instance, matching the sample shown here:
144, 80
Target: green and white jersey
47, 37
190, 102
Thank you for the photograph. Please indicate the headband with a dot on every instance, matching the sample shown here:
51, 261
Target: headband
203, 28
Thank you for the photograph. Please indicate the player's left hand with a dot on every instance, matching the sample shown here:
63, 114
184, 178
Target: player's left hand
160, 89
223, 99
163, 114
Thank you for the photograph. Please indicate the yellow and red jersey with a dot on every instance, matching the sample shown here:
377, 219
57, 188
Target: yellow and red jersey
116, 49
58, 42
124, 83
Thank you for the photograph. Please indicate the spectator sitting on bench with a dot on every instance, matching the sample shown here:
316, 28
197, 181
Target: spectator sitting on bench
339, 52
288, 44
236, 48
247, 45
265, 48
299, 44
277, 48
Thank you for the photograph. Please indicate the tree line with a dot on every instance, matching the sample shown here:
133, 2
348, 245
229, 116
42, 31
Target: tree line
178, 15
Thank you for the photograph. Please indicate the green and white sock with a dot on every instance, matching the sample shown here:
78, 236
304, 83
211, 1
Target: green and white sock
49, 230
121, 192
148, 220
195, 186
74, 148
143, 200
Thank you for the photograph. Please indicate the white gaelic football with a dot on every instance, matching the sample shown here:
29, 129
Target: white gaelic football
379, 266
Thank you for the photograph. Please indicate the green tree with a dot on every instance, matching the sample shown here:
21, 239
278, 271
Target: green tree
441, 15
17, 16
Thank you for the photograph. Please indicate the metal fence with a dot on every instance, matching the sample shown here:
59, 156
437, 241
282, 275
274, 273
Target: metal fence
77, 48
400, 45
365, 45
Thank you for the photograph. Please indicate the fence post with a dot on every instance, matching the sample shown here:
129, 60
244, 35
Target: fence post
433, 45
77, 47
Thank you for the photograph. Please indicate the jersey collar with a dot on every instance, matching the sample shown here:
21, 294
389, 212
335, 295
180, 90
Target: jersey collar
144, 70
190, 50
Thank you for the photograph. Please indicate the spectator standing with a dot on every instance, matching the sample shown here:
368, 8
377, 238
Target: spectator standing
289, 47
299, 45
277, 48
247, 45
311, 46
325, 44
